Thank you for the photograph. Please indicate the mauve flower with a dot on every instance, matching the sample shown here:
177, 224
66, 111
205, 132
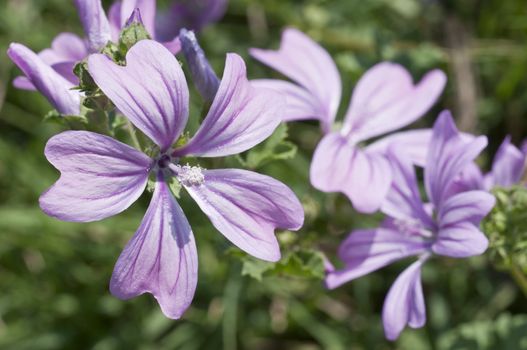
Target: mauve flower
189, 14
101, 177
448, 225
67, 49
51, 84
508, 166
385, 99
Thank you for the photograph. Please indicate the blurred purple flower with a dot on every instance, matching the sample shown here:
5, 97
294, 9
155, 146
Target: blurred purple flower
203, 76
385, 99
189, 14
101, 177
56, 88
508, 166
448, 225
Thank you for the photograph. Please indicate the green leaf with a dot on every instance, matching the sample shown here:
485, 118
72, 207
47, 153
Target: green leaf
274, 148
307, 264
506, 332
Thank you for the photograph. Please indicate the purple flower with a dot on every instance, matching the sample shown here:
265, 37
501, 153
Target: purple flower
448, 225
101, 177
189, 14
56, 88
203, 76
68, 49
508, 166
385, 99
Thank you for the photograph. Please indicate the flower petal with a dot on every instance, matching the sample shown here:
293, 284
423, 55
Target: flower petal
471, 206
315, 72
161, 258
148, 13
247, 207
240, 116
385, 99
158, 105
365, 251
94, 22
404, 199
299, 102
405, 302
46, 80
448, 156
508, 165
460, 240
68, 47
339, 166
100, 176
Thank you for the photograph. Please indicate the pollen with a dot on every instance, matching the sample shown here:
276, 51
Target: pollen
189, 175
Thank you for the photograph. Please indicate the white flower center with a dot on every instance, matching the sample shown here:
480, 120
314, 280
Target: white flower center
189, 175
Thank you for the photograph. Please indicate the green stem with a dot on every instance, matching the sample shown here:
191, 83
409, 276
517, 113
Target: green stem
133, 135
520, 278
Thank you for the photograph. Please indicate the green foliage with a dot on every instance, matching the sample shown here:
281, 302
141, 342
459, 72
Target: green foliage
131, 35
507, 332
299, 264
506, 227
276, 147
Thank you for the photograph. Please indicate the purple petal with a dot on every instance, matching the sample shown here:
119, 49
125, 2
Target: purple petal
460, 240
315, 71
161, 258
404, 199
100, 177
147, 9
414, 144
189, 14
68, 47
174, 46
299, 101
114, 18
94, 22
150, 90
469, 179
240, 116
365, 251
47, 81
471, 206
203, 76
247, 207
404, 303
448, 156
23, 83
508, 165
339, 166
385, 99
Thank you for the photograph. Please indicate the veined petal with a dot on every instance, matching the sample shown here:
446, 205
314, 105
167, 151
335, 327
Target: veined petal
114, 18
240, 116
161, 258
47, 81
403, 201
299, 101
340, 166
365, 251
508, 165
148, 13
448, 156
68, 47
385, 99
471, 206
247, 207
414, 144
460, 240
94, 22
100, 176
150, 90
315, 72
405, 302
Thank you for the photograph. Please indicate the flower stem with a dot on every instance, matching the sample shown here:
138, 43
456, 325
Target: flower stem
520, 278
133, 135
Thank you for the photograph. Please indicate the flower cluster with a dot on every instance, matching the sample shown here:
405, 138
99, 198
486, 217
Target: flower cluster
128, 60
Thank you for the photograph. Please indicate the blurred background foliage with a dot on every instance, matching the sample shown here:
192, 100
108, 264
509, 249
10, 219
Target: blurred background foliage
54, 275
